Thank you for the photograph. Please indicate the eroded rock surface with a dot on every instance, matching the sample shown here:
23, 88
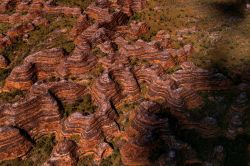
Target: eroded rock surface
136, 86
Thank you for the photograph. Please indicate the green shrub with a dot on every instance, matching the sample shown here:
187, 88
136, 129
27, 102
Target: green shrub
11, 96
85, 105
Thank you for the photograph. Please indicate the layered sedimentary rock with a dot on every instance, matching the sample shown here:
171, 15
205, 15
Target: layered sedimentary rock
18, 18
80, 26
104, 89
61, 10
149, 52
130, 6
98, 13
63, 154
12, 143
134, 30
21, 77
65, 91
38, 115
130, 73
149, 134
46, 64
3, 62
164, 38
126, 81
107, 47
78, 64
89, 129
160, 87
199, 79
105, 17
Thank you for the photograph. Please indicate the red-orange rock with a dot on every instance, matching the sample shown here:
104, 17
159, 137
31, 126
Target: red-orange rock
63, 154
12, 143
3, 62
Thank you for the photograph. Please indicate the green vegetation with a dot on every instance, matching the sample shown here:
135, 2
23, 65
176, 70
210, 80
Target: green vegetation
51, 36
4, 27
113, 160
75, 138
3, 75
136, 17
172, 69
86, 161
148, 36
42, 37
12, 96
137, 62
220, 36
144, 89
97, 71
85, 105
96, 51
37, 156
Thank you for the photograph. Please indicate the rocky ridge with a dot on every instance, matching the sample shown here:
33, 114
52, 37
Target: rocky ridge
132, 71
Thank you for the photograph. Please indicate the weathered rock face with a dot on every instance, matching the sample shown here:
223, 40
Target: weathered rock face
133, 84
21, 77
63, 154
149, 52
65, 91
105, 89
61, 10
199, 79
3, 62
37, 115
147, 135
89, 128
134, 30
130, 6
80, 26
126, 81
12, 143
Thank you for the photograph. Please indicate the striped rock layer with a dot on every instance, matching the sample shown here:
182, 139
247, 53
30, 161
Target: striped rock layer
118, 70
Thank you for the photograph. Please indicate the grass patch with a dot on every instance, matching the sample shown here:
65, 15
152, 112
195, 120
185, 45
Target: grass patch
12, 96
4, 27
86, 161
85, 105
114, 159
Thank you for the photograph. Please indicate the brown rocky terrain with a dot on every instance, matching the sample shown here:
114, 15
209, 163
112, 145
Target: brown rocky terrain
134, 88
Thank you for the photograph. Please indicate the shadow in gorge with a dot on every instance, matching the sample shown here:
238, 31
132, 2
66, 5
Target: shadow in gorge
235, 151
230, 8
220, 62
